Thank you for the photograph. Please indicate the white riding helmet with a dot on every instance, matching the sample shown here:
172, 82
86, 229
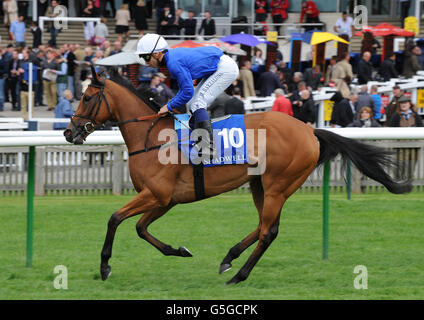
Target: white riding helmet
151, 43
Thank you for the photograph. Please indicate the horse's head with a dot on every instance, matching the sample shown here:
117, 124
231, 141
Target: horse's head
93, 110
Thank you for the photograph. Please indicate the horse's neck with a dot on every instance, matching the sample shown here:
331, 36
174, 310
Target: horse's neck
130, 107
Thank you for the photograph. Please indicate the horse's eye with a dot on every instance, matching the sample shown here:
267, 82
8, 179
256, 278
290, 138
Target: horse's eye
87, 98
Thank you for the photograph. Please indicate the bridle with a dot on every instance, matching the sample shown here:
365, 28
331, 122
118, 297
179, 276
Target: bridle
90, 126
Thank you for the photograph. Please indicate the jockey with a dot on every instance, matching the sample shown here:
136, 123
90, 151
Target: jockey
216, 70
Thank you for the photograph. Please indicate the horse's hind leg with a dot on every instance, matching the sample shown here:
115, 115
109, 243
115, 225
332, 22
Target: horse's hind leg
146, 220
144, 201
268, 232
236, 251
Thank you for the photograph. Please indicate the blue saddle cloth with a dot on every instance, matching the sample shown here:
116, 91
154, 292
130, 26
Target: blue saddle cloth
229, 136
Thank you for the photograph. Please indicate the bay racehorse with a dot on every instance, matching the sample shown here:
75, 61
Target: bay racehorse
293, 151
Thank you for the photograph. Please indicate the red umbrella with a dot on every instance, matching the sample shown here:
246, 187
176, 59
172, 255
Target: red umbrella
187, 44
386, 29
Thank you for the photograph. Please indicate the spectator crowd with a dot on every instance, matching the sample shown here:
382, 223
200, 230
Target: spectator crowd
60, 73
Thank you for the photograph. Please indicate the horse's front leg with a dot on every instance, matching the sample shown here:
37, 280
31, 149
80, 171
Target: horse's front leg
144, 201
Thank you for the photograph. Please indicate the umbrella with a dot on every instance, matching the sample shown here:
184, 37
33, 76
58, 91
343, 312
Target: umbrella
226, 47
386, 29
315, 37
187, 44
245, 39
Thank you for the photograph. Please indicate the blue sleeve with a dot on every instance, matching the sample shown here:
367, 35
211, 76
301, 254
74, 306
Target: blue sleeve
185, 84
63, 70
68, 111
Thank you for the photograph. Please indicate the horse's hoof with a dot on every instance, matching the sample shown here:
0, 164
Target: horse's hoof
224, 267
184, 252
105, 272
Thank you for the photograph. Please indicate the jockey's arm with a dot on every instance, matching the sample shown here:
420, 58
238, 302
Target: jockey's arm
185, 84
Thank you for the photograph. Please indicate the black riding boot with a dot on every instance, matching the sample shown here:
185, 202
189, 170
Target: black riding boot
211, 151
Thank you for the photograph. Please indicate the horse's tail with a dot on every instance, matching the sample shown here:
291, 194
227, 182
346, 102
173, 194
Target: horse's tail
370, 160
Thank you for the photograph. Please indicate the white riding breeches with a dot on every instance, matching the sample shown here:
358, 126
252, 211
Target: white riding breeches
210, 88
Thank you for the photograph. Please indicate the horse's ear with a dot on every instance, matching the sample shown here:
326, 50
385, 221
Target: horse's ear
95, 79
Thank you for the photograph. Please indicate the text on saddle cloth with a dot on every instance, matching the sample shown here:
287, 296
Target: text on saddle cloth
229, 137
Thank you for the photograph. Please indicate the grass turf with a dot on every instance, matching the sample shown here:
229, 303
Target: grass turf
381, 231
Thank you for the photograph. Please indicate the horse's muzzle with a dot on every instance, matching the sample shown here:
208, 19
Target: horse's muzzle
77, 137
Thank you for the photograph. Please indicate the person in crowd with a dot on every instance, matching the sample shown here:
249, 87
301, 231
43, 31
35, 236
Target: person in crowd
236, 84
103, 5
406, 114
163, 93
235, 104
17, 32
342, 114
304, 110
393, 105
52, 14
364, 99
15, 70
281, 103
160, 7
217, 107
178, 22
388, 69
10, 12
269, 81
344, 25
62, 76
261, 9
3, 75
42, 7
140, 17
106, 47
63, 109
292, 85
330, 69
365, 68
24, 83
167, 22
257, 59
410, 61
343, 74
246, 76
208, 26
7, 57
38, 59
365, 119
101, 32
190, 25
377, 102
88, 12
36, 34
117, 48
70, 59
122, 18
294, 95
279, 12
311, 12
50, 67
404, 10
313, 77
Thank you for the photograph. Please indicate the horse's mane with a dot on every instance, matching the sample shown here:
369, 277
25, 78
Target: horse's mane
144, 93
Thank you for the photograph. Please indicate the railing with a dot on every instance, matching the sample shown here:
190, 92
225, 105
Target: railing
42, 19
66, 169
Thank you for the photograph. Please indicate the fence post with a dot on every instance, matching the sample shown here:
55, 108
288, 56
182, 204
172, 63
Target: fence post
326, 209
117, 172
40, 168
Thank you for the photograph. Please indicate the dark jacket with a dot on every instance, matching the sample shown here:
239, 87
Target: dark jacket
395, 120
217, 108
342, 113
388, 70
358, 123
410, 64
305, 113
364, 71
312, 80
234, 106
36, 33
268, 82
208, 27
4, 68
190, 27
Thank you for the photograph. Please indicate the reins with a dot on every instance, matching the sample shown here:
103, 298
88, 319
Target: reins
90, 126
